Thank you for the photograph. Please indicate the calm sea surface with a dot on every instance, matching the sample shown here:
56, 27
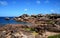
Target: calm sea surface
11, 21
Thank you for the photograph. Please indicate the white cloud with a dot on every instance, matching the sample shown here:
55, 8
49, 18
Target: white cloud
38, 2
3, 3
25, 9
52, 11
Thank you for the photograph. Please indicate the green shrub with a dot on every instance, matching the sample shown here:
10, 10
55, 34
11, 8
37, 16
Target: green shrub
51, 22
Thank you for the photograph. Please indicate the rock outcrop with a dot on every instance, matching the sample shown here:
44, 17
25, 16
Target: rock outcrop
39, 25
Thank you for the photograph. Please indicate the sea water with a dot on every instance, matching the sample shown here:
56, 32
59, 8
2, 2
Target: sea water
11, 21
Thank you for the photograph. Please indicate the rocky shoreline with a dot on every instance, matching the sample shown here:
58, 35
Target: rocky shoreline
41, 26
49, 21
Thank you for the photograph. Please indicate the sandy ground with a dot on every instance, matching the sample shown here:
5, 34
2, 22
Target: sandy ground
47, 33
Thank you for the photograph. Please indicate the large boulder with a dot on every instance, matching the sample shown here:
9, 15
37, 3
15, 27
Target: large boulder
23, 16
53, 28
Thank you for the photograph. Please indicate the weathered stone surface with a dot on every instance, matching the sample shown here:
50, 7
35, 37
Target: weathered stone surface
39, 23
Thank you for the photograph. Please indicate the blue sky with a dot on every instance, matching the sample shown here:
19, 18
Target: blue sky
19, 7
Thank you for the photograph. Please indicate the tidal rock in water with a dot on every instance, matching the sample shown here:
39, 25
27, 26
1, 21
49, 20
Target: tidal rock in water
7, 18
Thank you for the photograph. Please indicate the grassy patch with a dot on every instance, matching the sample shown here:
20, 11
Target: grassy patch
55, 36
29, 29
34, 33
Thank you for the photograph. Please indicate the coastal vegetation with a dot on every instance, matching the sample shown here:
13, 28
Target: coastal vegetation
55, 36
41, 26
